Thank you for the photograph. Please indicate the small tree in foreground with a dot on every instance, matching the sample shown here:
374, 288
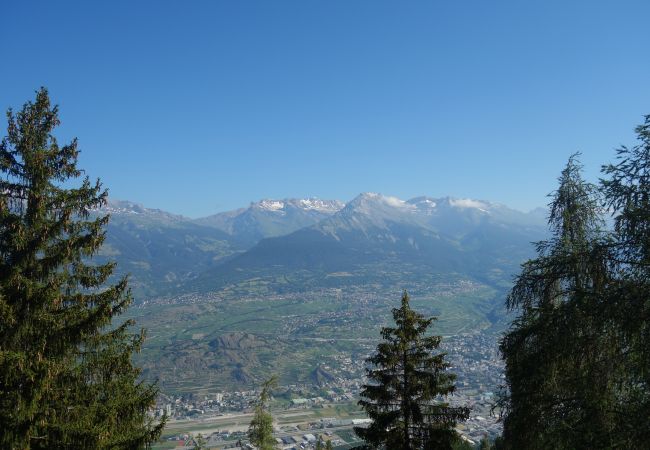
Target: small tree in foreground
260, 431
407, 384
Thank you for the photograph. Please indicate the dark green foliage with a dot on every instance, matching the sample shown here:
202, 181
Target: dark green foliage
66, 378
260, 431
558, 351
461, 444
627, 193
200, 443
578, 354
407, 383
498, 443
485, 444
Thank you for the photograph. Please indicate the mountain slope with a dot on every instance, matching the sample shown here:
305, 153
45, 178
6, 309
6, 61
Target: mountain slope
376, 238
271, 218
160, 250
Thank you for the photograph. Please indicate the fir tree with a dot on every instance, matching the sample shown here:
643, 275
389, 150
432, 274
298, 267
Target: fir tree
407, 381
328, 445
66, 377
260, 431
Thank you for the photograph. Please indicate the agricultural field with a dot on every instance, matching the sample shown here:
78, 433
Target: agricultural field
197, 345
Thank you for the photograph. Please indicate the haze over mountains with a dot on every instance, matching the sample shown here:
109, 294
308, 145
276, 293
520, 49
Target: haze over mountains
295, 244
283, 278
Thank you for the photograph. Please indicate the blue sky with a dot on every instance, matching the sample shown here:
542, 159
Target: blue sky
198, 107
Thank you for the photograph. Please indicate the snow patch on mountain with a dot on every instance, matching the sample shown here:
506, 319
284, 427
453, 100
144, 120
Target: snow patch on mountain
320, 205
305, 204
468, 203
271, 205
123, 208
396, 202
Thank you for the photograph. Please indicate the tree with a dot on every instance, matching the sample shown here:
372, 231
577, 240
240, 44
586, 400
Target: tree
66, 377
406, 383
627, 196
199, 443
328, 445
260, 431
462, 444
485, 444
558, 352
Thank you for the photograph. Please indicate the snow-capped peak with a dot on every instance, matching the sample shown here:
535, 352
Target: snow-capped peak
271, 205
305, 204
320, 205
469, 203
373, 203
424, 203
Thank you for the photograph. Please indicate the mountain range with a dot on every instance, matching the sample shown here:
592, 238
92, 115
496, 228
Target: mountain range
294, 244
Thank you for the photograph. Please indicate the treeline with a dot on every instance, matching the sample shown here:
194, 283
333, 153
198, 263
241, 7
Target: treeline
577, 354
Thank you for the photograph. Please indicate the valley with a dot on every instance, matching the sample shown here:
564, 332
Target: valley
301, 291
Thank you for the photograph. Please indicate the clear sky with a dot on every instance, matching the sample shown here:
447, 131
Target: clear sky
198, 107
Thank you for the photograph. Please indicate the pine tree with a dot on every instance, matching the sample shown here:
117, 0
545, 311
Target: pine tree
66, 377
260, 431
558, 352
328, 445
407, 381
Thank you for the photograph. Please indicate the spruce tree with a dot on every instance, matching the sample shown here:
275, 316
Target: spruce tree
66, 377
407, 381
260, 431
558, 352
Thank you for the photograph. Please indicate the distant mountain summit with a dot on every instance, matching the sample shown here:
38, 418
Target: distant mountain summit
158, 249
451, 216
270, 218
377, 238
372, 237
120, 209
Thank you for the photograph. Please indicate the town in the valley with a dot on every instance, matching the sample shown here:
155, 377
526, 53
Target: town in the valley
328, 410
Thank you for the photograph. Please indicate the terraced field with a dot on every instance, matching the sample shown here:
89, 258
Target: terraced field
200, 345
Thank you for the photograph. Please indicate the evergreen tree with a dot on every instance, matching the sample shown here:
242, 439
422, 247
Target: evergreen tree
485, 444
328, 445
260, 431
66, 377
627, 194
199, 442
407, 382
558, 352
461, 444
